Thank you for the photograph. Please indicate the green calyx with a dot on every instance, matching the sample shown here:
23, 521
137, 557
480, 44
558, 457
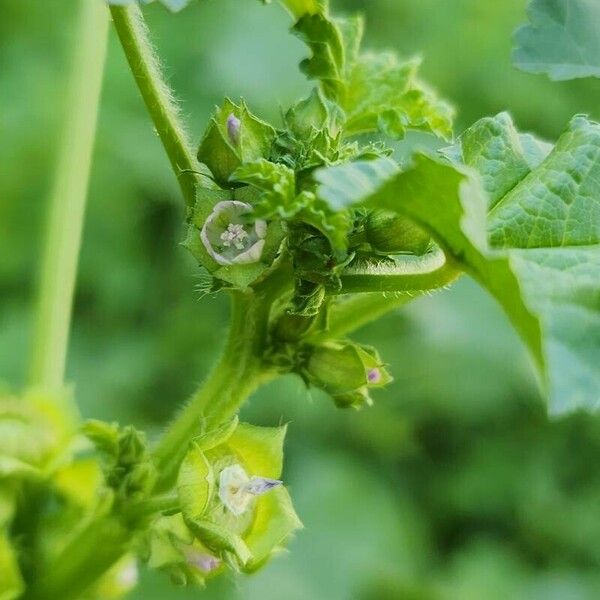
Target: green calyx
347, 371
233, 137
36, 430
234, 510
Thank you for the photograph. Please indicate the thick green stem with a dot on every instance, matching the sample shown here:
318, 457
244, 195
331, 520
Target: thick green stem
157, 96
237, 374
67, 202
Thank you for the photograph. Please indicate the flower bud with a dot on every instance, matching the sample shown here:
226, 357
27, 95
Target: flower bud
390, 233
347, 371
234, 136
230, 237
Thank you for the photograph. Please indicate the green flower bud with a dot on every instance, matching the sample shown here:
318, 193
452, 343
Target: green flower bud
230, 237
231, 496
347, 372
234, 136
390, 233
36, 431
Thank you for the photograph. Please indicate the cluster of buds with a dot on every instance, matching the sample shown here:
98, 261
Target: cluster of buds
235, 511
347, 371
129, 470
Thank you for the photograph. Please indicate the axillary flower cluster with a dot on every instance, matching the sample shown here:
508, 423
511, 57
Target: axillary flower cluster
235, 511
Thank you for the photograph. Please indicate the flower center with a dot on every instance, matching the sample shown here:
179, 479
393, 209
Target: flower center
235, 235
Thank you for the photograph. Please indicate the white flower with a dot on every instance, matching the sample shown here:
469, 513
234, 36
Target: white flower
229, 235
236, 489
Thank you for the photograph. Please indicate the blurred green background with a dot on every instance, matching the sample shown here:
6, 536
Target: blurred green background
454, 485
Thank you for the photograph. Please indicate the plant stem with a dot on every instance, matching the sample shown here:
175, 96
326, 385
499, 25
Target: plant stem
414, 275
158, 97
355, 312
67, 201
237, 374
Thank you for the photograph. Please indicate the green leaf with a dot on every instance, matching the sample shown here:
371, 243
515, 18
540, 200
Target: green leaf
561, 39
499, 153
214, 437
384, 94
377, 92
327, 63
544, 264
276, 181
223, 152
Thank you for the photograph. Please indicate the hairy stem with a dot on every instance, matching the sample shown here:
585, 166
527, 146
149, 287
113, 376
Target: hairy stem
237, 374
158, 97
409, 275
68, 198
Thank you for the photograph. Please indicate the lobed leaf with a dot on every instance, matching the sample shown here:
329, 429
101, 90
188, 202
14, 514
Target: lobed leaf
538, 250
561, 39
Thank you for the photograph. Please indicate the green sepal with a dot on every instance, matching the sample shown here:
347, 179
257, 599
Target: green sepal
223, 154
219, 435
274, 523
346, 371
220, 540
164, 537
261, 448
105, 436
195, 483
313, 114
244, 541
